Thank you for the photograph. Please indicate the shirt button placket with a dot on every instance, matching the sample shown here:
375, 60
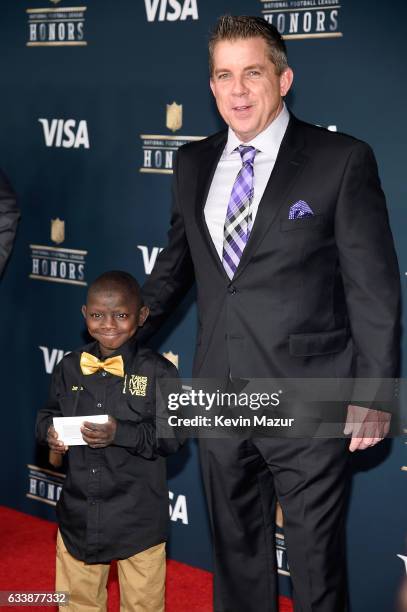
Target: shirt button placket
93, 514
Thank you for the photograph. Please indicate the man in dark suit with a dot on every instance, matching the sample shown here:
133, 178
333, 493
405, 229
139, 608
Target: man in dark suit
9, 215
283, 226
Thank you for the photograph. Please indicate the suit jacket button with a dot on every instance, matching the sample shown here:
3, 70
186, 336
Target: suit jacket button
232, 290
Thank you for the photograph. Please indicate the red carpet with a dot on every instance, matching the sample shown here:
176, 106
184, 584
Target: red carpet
27, 559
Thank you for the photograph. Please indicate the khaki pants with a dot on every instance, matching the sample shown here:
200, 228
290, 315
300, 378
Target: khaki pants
141, 579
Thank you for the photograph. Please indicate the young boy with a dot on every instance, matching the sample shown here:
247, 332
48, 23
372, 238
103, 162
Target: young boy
114, 503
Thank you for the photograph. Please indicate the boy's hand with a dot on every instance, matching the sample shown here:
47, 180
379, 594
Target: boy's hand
99, 435
54, 442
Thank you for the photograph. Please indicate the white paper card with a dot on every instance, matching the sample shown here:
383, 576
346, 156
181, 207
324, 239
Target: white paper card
69, 428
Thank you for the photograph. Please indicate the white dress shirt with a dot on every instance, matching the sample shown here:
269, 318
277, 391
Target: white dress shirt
267, 144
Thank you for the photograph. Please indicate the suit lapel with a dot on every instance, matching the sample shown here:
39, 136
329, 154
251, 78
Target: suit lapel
290, 160
208, 163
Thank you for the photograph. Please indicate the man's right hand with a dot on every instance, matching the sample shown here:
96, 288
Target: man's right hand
54, 442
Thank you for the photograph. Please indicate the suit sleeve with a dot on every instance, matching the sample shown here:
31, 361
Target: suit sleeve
9, 216
173, 273
51, 409
369, 269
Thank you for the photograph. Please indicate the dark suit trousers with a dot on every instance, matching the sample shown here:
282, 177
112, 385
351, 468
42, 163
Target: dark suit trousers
243, 479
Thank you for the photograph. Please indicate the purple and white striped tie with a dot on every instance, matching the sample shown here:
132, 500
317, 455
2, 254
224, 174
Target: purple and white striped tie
238, 217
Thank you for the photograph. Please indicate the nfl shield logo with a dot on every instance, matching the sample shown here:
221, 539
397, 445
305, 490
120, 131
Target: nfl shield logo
279, 516
172, 357
174, 116
57, 230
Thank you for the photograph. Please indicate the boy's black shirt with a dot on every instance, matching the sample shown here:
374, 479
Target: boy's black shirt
114, 501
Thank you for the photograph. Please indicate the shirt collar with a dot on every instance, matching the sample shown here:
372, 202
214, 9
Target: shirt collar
268, 141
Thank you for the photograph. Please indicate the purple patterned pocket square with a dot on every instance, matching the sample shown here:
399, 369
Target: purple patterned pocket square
299, 210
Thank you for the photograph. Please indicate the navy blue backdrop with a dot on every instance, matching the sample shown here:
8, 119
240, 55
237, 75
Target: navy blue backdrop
88, 143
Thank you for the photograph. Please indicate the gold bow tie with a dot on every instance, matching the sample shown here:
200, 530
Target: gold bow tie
91, 364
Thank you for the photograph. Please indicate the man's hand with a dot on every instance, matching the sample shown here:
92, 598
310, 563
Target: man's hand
54, 442
367, 426
99, 435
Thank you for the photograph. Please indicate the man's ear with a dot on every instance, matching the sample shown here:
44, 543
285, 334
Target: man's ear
83, 310
286, 80
142, 315
212, 86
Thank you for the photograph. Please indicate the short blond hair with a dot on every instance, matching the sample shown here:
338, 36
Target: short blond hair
233, 27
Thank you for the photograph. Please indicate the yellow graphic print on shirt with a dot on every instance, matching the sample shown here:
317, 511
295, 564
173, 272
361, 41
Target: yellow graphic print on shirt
136, 385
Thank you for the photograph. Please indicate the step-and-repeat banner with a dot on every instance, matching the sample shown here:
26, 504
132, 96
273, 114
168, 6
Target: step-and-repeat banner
95, 100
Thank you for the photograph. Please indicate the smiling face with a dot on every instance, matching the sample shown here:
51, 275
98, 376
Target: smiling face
112, 317
247, 90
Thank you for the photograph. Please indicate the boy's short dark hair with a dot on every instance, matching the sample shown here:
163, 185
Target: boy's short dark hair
117, 280
233, 27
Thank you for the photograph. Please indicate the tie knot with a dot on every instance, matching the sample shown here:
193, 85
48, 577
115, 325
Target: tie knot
247, 153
